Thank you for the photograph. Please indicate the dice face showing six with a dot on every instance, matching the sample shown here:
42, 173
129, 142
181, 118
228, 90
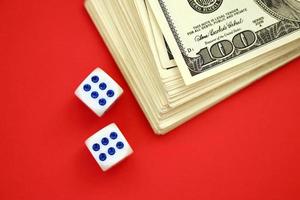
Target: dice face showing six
98, 91
108, 146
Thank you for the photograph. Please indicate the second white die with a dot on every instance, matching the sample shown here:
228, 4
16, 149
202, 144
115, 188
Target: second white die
108, 146
98, 91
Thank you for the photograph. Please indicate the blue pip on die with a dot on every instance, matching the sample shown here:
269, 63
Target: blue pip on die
98, 91
108, 146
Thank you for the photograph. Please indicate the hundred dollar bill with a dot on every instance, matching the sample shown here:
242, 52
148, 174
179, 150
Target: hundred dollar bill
207, 37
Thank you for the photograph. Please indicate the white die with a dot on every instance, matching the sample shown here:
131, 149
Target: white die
108, 146
98, 91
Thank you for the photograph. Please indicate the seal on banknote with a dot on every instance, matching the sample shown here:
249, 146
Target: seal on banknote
282, 9
205, 6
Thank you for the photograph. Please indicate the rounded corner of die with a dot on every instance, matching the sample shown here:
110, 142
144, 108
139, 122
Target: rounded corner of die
130, 151
112, 125
121, 91
99, 114
87, 142
104, 168
98, 70
76, 92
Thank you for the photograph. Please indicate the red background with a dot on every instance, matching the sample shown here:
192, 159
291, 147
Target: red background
247, 147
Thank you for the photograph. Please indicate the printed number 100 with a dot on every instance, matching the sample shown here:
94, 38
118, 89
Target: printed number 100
225, 48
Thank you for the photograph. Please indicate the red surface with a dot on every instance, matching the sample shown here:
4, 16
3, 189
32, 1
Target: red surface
247, 147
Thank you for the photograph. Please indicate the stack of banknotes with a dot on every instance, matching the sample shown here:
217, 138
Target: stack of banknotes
181, 57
